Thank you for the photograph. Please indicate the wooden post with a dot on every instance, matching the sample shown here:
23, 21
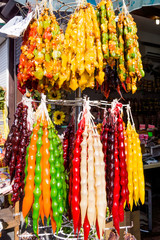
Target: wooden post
16, 228
78, 95
11, 82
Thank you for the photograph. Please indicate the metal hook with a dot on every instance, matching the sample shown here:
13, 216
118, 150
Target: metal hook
21, 10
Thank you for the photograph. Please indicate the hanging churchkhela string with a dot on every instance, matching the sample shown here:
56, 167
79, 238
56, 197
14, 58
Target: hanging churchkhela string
103, 170
92, 52
45, 186
122, 177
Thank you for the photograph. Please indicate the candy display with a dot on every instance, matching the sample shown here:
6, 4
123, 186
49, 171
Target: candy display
102, 170
68, 148
124, 194
134, 166
111, 81
108, 31
88, 186
15, 146
124, 171
51, 60
68, 144
40, 59
30, 165
75, 197
45, 185
82, 50
130, 69
87, 173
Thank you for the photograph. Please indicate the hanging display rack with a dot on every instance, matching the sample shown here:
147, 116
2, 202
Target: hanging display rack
66, 9
71, 235
79, 101
122, 227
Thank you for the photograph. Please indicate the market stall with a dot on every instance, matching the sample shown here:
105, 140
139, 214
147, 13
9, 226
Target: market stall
79, 183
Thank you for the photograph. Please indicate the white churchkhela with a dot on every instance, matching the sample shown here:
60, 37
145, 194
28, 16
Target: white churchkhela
93, 186
91, 211
100, 185
83, 173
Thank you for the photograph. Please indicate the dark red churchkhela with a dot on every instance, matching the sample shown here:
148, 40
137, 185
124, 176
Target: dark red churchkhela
15, 146
110, 162
123, 169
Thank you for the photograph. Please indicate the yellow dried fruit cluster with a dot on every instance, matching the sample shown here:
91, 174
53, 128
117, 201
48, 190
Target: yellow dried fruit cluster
82, 59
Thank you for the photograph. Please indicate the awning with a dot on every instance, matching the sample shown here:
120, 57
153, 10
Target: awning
136, 4
133, 4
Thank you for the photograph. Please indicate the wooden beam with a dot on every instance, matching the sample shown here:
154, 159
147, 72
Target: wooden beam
16, 229
11, 82
150, 44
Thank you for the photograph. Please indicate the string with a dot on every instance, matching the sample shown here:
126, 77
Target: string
128, 115
77, 102
45, 3
51, 6
133, 125
115, 106
42, 109
30, 112
125, 8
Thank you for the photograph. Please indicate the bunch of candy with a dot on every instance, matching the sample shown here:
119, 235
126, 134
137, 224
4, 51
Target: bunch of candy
40, 59
107, 23
16, 144
130, 68
88, 196
82, 50
124, 166
45, 185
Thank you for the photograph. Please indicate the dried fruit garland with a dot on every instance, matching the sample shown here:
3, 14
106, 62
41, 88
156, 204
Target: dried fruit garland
68, 144
118, 159
111, 81
88, 196
68, 148
50, 61
124, 166
45, 185
130, 68
136, 184
40, 60
82, 54
15, 147
122, 46
108, 31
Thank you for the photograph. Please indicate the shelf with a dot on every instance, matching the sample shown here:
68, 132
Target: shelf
9, 221
151, 166
10, 218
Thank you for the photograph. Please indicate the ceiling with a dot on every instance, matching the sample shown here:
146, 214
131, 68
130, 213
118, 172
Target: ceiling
148, 12
146, 24
144, 18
